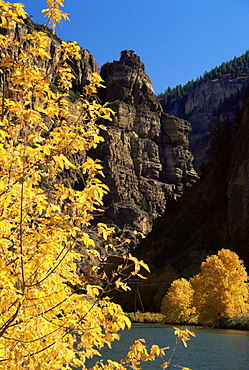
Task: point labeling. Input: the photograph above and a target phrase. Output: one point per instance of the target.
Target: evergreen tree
(238, 67)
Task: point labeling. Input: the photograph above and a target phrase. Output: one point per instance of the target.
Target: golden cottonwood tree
(45, 322)
(220, 289)
(177, 304)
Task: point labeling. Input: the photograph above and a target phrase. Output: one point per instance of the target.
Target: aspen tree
(50, 317)
(43, 322)
(220, 288)
(177, 305)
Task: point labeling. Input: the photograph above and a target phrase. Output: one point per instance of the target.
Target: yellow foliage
(220, 288)
(183, 335)
(177, 304)
(11, 14)
(50, 316)
(218, 292)
(54, 13)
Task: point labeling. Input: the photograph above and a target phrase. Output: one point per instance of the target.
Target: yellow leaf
(3, 134)
(144, 265)
(127, 321)
(2, 186)
(46, 150)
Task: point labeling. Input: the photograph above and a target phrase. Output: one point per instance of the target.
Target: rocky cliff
(148, 164)
(146, 153)
(213, 214)
(208, 102)
(83, 68)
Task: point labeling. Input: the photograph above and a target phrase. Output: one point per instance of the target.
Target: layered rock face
(83, 68)
(201, 109)
(145, 156)
(146, 153)
(212, 215)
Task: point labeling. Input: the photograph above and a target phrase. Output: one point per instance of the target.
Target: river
(211, 349)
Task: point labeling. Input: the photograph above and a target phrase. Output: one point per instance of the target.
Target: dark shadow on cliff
(213, 214)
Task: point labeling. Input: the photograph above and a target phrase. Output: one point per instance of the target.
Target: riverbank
(146, 318)
(241, 323)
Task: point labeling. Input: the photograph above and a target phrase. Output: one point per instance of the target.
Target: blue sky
(177, 40)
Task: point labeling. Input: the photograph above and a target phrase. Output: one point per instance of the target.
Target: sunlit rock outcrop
(146, 153)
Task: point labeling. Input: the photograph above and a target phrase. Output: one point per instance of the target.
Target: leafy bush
(147, 317)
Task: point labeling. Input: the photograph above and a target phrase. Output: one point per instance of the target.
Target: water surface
(212, 349)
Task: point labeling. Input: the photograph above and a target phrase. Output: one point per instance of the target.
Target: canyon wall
(202, 107)
(212, 215)
(146, 153)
